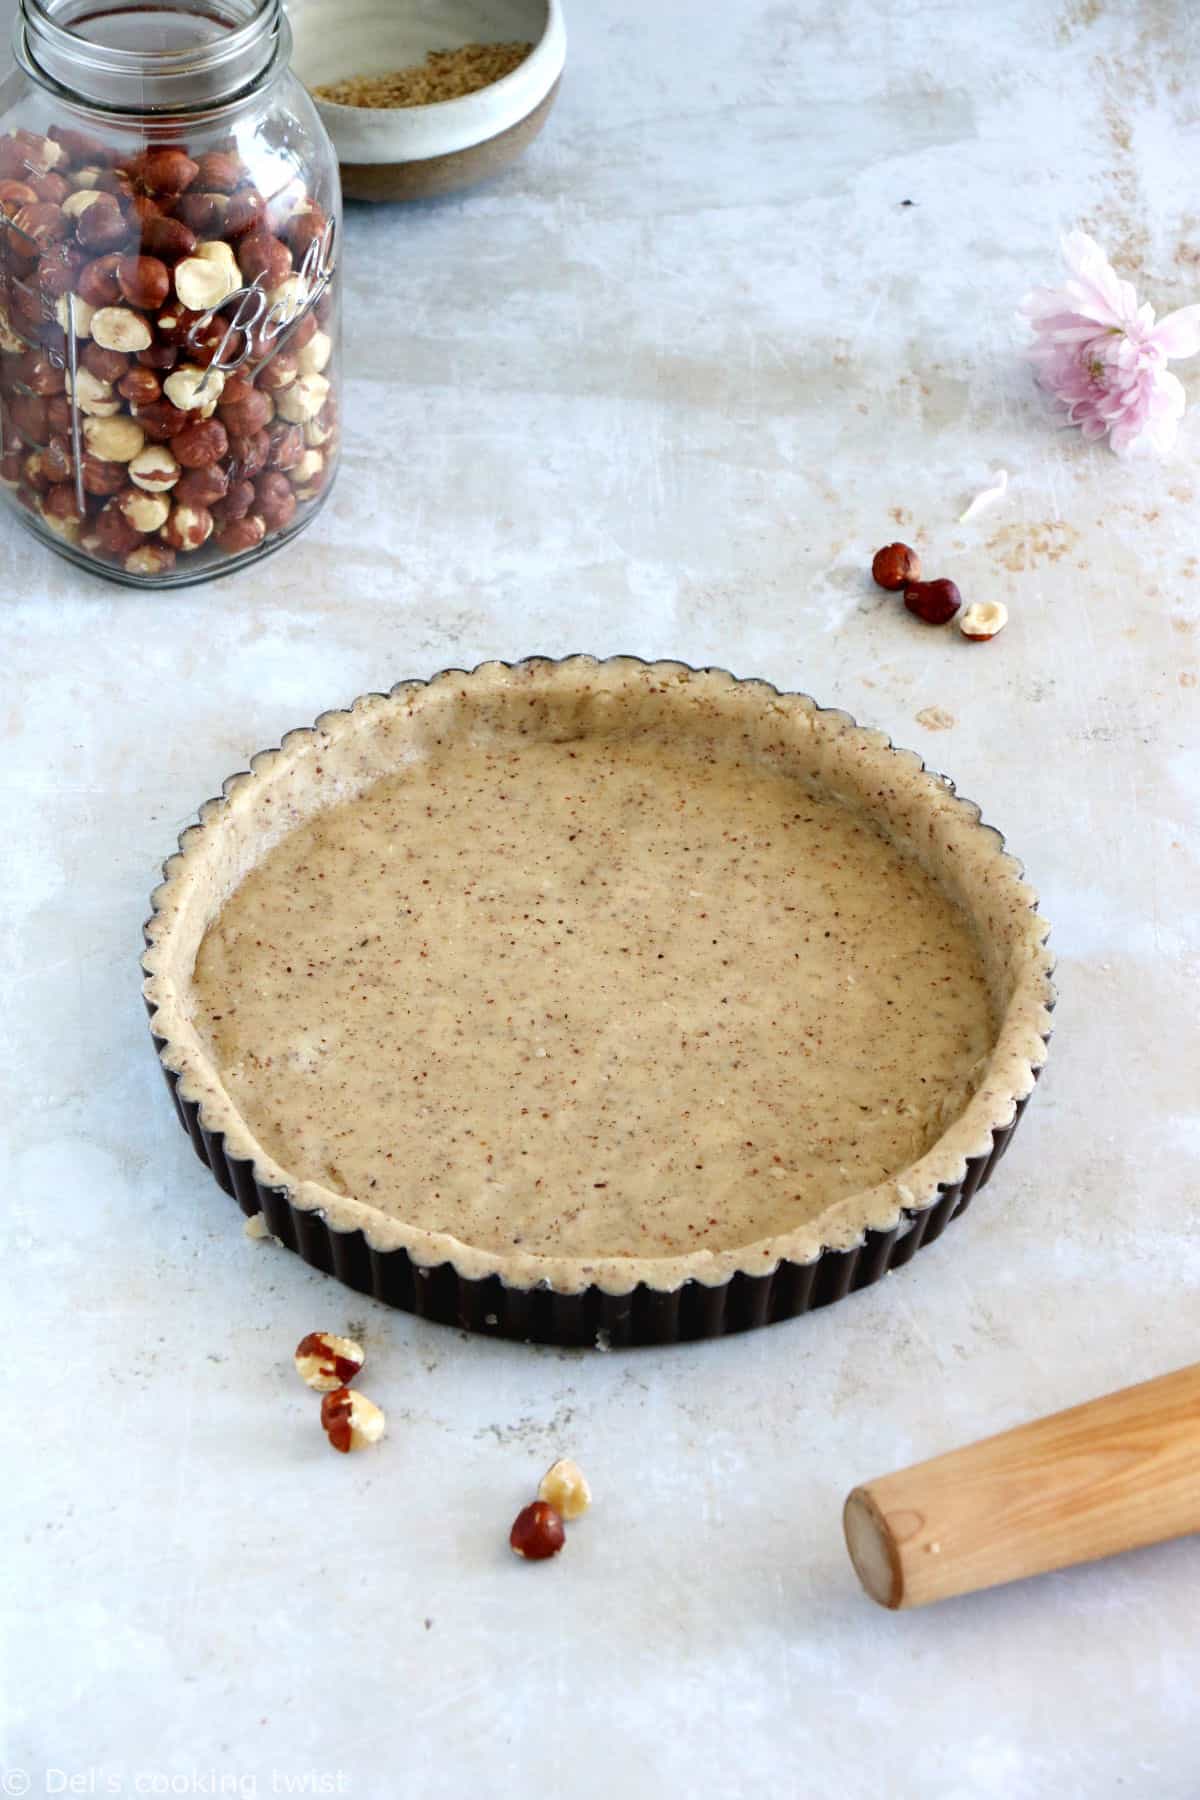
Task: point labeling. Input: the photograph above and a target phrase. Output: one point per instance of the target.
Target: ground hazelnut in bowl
(421, 100)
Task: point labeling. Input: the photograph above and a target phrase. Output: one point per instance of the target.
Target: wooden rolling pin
(1088, 1482)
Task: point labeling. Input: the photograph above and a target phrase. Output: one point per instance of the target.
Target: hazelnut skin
(896, 567)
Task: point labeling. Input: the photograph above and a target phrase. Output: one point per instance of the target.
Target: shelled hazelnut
(202, 374)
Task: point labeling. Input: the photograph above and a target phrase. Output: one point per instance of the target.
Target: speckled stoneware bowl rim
(405, 134)
(607, 1299)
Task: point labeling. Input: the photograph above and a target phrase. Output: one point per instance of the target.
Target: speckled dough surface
(681, 1079)
(593, 998)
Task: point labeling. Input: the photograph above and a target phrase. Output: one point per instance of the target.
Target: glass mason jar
(169, 332)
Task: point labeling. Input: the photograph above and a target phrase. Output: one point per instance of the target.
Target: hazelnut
(245, 533)
(105, 365)
(895, 567)
(117, 328)
(288, 300)
(103, 226)
(325, 1361)
(145, 512)
(205, 213)
(38, 154)
(155, 470)
(60, 416)
(40, 375)
(98, 282)
(10, 468)
(309, 471)
(14, 195)
(305, 230)
(159, 356)
(74, 315)
(43, 223)
(304, 399)
(216, 250)
(93, 396)
(160, 420)
(140, 386)
(198, 445)
(175, 322)
(315, 355)
(169, 239)
(564, 1487)
(36, 473)
(150, 559)
(100, 477)
(243, 408)
(86, 179)
(274, 500)
(27, 414)
(58, 267)
(77, 203)
(145, 282)
(244, 213)
(203, 282)
(188, 527)
(350, 1420)
(218, 172)
(52, 188)
(60, 509)
(77, 146)
(287, 203)
(54, 463)
(142, 209)
(193, 389)
(201, 487)
(238, 500)
(286, 446)
(933, 601)
(249, 455)
(279, 371)
(10, 343)
(164, 172)
(112, 532)
(983, 620)
(114, 182)
(113, 440)
(261, 255)
(537, 1532)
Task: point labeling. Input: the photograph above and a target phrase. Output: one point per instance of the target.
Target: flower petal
(1178, 335)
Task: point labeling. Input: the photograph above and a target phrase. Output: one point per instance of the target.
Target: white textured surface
(664, 389)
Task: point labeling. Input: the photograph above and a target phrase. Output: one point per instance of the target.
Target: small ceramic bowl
(414, 152)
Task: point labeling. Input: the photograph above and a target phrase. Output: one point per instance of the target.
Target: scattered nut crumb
(936, 718)
(537, 1532)
(350, 1420)
(983, 620)
(256, 1226)
(564, 1487)
(324, 1361)
(444, 75)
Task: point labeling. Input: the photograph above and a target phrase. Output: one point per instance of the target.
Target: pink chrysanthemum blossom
(1102, 356)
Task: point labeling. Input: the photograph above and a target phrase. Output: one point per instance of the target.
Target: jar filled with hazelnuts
(170, 218)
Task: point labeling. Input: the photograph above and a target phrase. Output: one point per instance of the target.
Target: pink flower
(1102, 356)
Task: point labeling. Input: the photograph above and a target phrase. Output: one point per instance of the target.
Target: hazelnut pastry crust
(596, 978)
